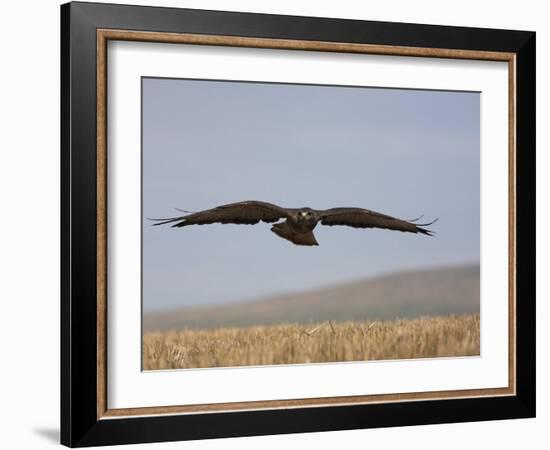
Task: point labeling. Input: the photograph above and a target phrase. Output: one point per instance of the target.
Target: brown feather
(286, 232)
(249, 212)
(364, 218)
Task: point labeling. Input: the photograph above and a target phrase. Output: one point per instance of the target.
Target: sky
(400, 152)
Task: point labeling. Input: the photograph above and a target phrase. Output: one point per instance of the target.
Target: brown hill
(443, 291)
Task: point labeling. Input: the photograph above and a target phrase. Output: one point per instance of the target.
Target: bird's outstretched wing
(364, 218)
(249, 212)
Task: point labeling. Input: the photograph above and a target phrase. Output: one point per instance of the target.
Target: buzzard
(297, 224)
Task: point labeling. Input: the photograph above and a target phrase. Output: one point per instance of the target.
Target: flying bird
(297, 224)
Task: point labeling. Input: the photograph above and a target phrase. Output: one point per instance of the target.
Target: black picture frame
(80, 425)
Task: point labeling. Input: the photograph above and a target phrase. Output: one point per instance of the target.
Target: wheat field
(312, 343)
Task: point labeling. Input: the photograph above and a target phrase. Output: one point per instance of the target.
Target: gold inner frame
(104, 35)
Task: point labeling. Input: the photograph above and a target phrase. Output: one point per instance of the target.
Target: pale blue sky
(399, 152)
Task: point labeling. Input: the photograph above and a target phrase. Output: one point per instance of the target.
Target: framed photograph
(277, 224)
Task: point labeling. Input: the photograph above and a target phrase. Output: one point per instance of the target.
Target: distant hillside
(453, 290)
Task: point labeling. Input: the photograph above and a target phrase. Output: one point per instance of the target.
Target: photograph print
(300, 224)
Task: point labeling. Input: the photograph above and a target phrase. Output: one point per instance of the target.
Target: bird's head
(305, 214)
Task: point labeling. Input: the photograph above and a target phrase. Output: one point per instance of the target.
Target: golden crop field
(323, 342)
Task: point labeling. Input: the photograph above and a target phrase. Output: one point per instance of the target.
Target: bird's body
(298, 228)
(297, 224)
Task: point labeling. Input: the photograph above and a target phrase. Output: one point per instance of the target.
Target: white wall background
(29, 225)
